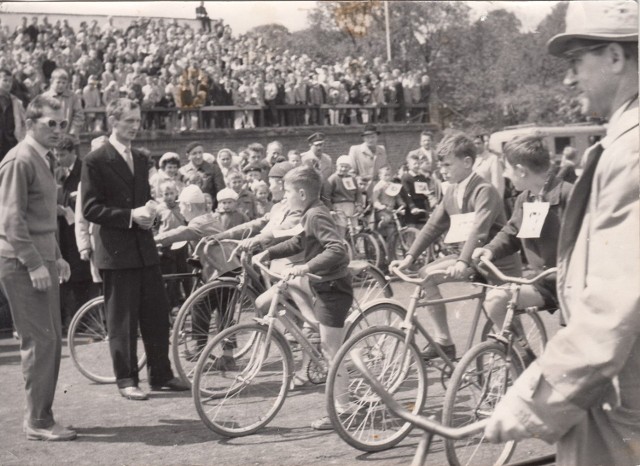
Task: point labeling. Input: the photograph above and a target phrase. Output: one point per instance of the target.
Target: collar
(622, 120)
(463, 184)
(39, 148)
(117, 145)
(550, 192)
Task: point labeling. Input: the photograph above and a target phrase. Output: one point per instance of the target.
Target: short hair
(170, 183)
(458, 144)
(117, 107)
(6, 72)
(275, 143)
(412, 156)
(528, 151)
(307, 178)
(167, 159)
(256, 147)
(426, 132)
(233, 174)
(194, 178)
(36, 107)
(66, 143)
(59, 73)
(192, 145)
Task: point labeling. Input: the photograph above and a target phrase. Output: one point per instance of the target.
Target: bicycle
(88, 338)
(401, 239)
(484, 373)
(395, 345)
(238, 398)
(427, 424)
(199, 318)
(363, 245)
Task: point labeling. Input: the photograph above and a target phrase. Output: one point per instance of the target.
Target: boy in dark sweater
(543, 195)
(325, 255)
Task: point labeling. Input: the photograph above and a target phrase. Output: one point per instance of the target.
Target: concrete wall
(398, 139)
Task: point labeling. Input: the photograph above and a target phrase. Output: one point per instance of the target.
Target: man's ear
(29, 123)
(303, 194)
(616, 54)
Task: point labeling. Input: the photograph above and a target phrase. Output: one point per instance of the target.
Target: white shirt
(121, 148)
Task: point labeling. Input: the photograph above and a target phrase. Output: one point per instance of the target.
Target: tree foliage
(486, 73)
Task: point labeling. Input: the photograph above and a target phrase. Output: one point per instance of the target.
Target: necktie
(577, 205)
(128, 158)
(52, 161)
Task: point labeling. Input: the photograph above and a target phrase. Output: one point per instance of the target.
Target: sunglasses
(574, 54)
(53, 124)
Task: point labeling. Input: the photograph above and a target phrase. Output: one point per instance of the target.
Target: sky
(243, 15)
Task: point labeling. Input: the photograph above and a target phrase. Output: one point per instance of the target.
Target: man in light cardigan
(30, 263)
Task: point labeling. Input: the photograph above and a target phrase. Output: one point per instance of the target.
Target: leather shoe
(173, 385)
(133, 393)
(55, 433)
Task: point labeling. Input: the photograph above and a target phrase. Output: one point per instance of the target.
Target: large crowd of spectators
(164, 64)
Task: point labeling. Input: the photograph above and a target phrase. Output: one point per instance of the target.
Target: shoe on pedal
(431, 353)
(55, 433)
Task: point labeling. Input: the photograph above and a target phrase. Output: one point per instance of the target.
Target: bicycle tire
(478, 383)
(387, 314)
(367, 424)
(365, 247)
(198, 321)
(530, 326)
(384, 249)
(240, 401)
(369, 284)
(88, 341)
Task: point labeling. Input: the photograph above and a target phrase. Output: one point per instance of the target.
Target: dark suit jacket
(109, 192)
(80, 270)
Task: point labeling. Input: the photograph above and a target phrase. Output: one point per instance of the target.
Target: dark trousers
(73, 295)
(136, 297)
(36, 316)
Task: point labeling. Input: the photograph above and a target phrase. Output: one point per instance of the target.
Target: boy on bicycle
(470, 213)
(327, 301)
(533, 227)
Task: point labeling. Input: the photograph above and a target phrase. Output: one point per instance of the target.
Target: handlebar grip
(278, 276)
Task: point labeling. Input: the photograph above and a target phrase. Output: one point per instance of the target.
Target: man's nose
(570, 78)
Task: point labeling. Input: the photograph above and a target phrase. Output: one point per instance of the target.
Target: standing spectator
(488, 165)
(71, 103)
(12, 116)
(169, 170)
(368, 158)
(80, 287)
(201, 14)
(30, 262)
(426, 152)
(566, 169)
(91, 98)
(316, 97)
(316, 144)
(211, 173)
(582, 393)
(126, 254)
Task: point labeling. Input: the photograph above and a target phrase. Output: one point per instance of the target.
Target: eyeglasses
(53, 124)
(573, 55)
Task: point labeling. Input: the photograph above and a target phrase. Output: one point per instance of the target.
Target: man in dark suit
(30, 263)
(80, 287)
(115, 196)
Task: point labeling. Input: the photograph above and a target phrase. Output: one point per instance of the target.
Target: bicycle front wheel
(236, 395)
(377, 315)
(356, 411)
(529, 332)
(366, 248)
(478, 383)
(88, 341)
(211, 308)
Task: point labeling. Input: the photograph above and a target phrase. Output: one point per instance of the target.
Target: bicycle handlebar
(426, 424)
(516, 280)
(417, 281)
(277, 276)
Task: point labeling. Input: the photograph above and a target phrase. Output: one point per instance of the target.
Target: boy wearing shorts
(325, 254)
(534, 226)
(470, 213)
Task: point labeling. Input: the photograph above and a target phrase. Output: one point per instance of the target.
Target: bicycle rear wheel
(358, 414)
(381, 314)
(369, 283)
(213, 307)
(88, 341)
(478, 383)
(237, 396)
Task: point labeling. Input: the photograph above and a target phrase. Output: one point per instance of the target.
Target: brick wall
(398, 139)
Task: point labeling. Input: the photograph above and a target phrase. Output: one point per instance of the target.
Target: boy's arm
(487, 206)
(183, 233)
(335, 251)
(287, 248)
(438, 223)
(245, 230)
(506, 241)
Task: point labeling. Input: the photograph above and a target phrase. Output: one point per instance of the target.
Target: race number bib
(393, 189)
(349, 183)
(533, 217)
(461, 227)
(421, 188)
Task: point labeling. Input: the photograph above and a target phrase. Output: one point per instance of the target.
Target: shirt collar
(462, 186)
(40, 149)
(118, 145)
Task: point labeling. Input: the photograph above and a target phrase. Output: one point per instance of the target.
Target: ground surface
(167, 430)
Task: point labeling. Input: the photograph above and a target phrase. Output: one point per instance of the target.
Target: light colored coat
(19, 117)
(365, 162)
(584, 391)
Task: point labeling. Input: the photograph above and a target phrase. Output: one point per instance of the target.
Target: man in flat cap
(583, 392)
(369, 157)
(316, 145)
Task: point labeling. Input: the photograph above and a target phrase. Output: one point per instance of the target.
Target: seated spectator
(261, 192)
